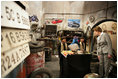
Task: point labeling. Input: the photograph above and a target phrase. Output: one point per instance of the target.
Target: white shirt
(99, 36)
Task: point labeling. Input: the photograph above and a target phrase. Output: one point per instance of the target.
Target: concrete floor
(53, 65)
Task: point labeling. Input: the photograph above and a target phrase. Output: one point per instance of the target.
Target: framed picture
(74, 23)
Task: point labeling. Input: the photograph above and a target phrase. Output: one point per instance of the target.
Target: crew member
(82, 44)
(104, 51)
(62, 46)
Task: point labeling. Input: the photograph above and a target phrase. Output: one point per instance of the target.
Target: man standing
(62, 46)
(82, 44)
(104, 51)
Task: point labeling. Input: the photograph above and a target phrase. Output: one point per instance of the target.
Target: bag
(73, 47)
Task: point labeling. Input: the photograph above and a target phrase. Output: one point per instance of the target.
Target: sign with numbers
(13, 57)
(11, 38)
(13, 16)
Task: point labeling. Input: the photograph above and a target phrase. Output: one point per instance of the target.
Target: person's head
(97, 31)
(63, 39)
(82, 39)
(75, 37)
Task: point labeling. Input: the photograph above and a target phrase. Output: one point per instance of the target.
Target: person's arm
(109, 44)
(67, 47)
(98, 50)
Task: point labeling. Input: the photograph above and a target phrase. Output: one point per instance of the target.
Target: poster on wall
(53, 20)
(74, 23)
